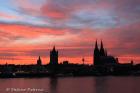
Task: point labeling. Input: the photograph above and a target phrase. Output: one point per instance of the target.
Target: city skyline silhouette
(103, 65)
(80, 61)
(31, 28)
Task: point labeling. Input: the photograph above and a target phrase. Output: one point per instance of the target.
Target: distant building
(54, 56)
(65, 62)
(39, 62)
(101, 57)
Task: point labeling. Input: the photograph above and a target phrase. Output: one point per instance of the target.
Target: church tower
(54, 56)
(96, 54)
(39, 62)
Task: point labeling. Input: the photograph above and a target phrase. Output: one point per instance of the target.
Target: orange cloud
(72, 45)
(29, 31)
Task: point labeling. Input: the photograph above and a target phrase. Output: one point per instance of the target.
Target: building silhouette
(104, 65)
(54, 56)
(39, 62)
(101, 57)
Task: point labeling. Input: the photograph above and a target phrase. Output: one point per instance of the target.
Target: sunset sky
(29, 28)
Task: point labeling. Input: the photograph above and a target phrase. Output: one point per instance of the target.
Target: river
(106, 84)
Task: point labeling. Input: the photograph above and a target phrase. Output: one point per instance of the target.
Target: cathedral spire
(54, 47)
(102, 46)
(102, 51)
(96, 54)
(39, 58)
(96, 45)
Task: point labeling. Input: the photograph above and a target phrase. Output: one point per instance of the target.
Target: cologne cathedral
(101, 58)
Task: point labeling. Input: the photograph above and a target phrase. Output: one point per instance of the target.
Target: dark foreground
(107, 84)
(68, 70)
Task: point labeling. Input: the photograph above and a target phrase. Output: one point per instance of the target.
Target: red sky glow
(30, 28)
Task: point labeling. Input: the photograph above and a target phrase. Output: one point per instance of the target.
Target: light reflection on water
(73, 85)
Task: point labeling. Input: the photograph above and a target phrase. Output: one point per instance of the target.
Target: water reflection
(75, 84)
(53, 85)
(100, 85)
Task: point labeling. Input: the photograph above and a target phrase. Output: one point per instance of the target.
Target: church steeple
(53, 48)
(96, 54)
(102, 51)
(39, 62)
(96, 50)
(102, 46)
(96, 45)
(39, 58)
